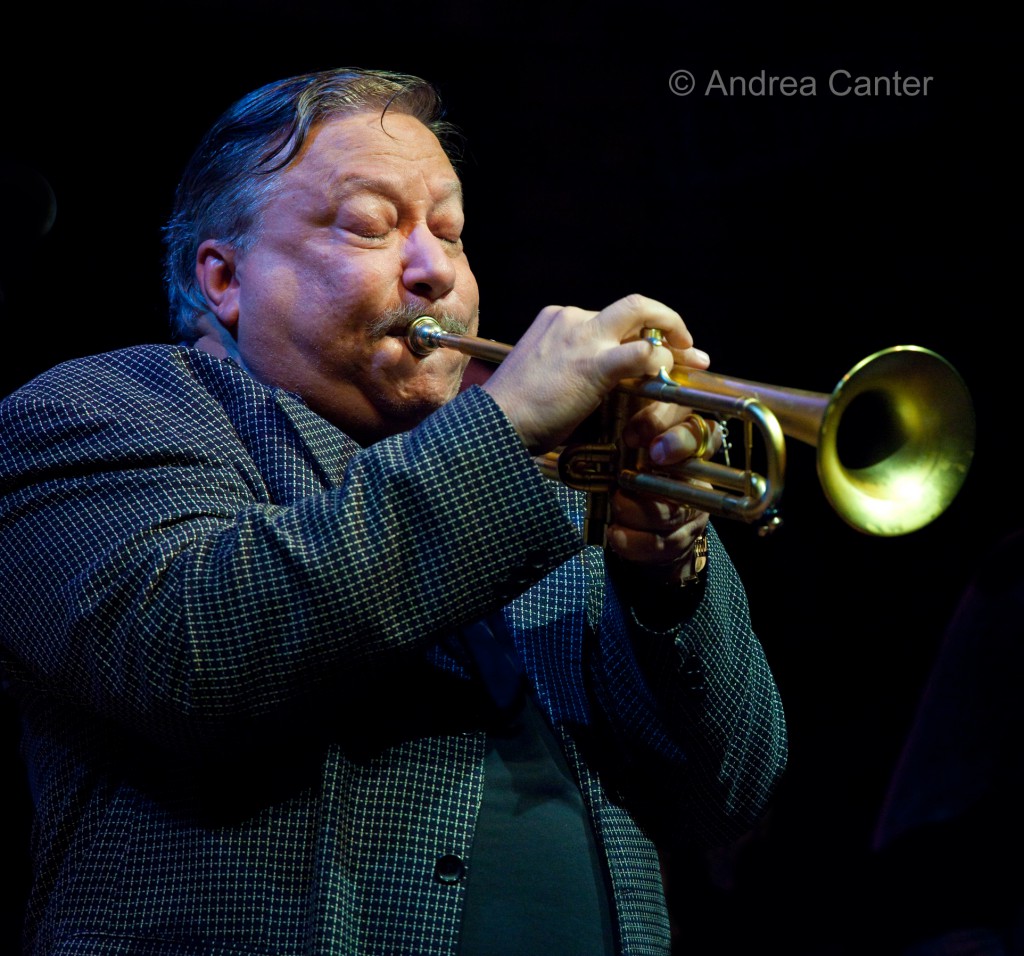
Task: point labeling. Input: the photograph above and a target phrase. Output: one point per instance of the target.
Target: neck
(216, 340)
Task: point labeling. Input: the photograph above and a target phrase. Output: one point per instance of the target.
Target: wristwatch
(700, 560)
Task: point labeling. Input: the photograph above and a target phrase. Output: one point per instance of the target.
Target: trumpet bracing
(894, 439)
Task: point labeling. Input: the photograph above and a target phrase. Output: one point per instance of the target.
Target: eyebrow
(354, 184)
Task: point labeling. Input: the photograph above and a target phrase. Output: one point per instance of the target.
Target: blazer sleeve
(149, 573)
(694, 706)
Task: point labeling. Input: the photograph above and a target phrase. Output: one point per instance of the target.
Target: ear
(215, 273)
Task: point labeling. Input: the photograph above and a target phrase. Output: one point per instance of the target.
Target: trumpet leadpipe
(425, 335)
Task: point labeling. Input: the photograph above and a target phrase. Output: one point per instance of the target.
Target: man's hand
(656, 532)
(569, 359)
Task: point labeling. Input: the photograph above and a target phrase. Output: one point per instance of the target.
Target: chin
(434, 385)
(415, 409)
(400, 414)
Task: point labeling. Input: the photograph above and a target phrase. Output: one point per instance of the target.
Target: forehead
(368, 151)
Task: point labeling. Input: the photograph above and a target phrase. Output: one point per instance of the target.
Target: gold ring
(703, 433)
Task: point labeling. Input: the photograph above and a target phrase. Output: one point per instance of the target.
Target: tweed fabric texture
(247, 732)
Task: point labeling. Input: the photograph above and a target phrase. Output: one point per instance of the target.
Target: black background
(796, 235)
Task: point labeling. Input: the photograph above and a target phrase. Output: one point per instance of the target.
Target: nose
(428, 269)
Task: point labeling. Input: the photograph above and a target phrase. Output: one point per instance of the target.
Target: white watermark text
(840, 82)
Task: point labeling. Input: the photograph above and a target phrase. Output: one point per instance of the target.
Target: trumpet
(894, 439)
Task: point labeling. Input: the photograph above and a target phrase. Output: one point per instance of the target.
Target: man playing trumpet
(311, 657)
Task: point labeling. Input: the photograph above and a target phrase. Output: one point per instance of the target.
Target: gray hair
(233, 171)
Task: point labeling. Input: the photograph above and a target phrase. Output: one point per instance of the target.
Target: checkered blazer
(247, 725)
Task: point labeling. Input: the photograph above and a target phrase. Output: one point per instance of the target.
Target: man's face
(366, 220)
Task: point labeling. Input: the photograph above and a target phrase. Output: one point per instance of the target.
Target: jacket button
(694, 675)
(449, 869)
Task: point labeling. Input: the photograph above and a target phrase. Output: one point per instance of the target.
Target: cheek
(333, 305)
(268, 314)
(358, 270)
(264, 290)
(391, 353)
(469, 291)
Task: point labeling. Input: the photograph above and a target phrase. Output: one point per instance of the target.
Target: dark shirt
(535, 881)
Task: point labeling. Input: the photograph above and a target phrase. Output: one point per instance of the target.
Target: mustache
(396, 321)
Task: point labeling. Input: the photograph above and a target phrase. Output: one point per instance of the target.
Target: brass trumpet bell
(894, 439)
